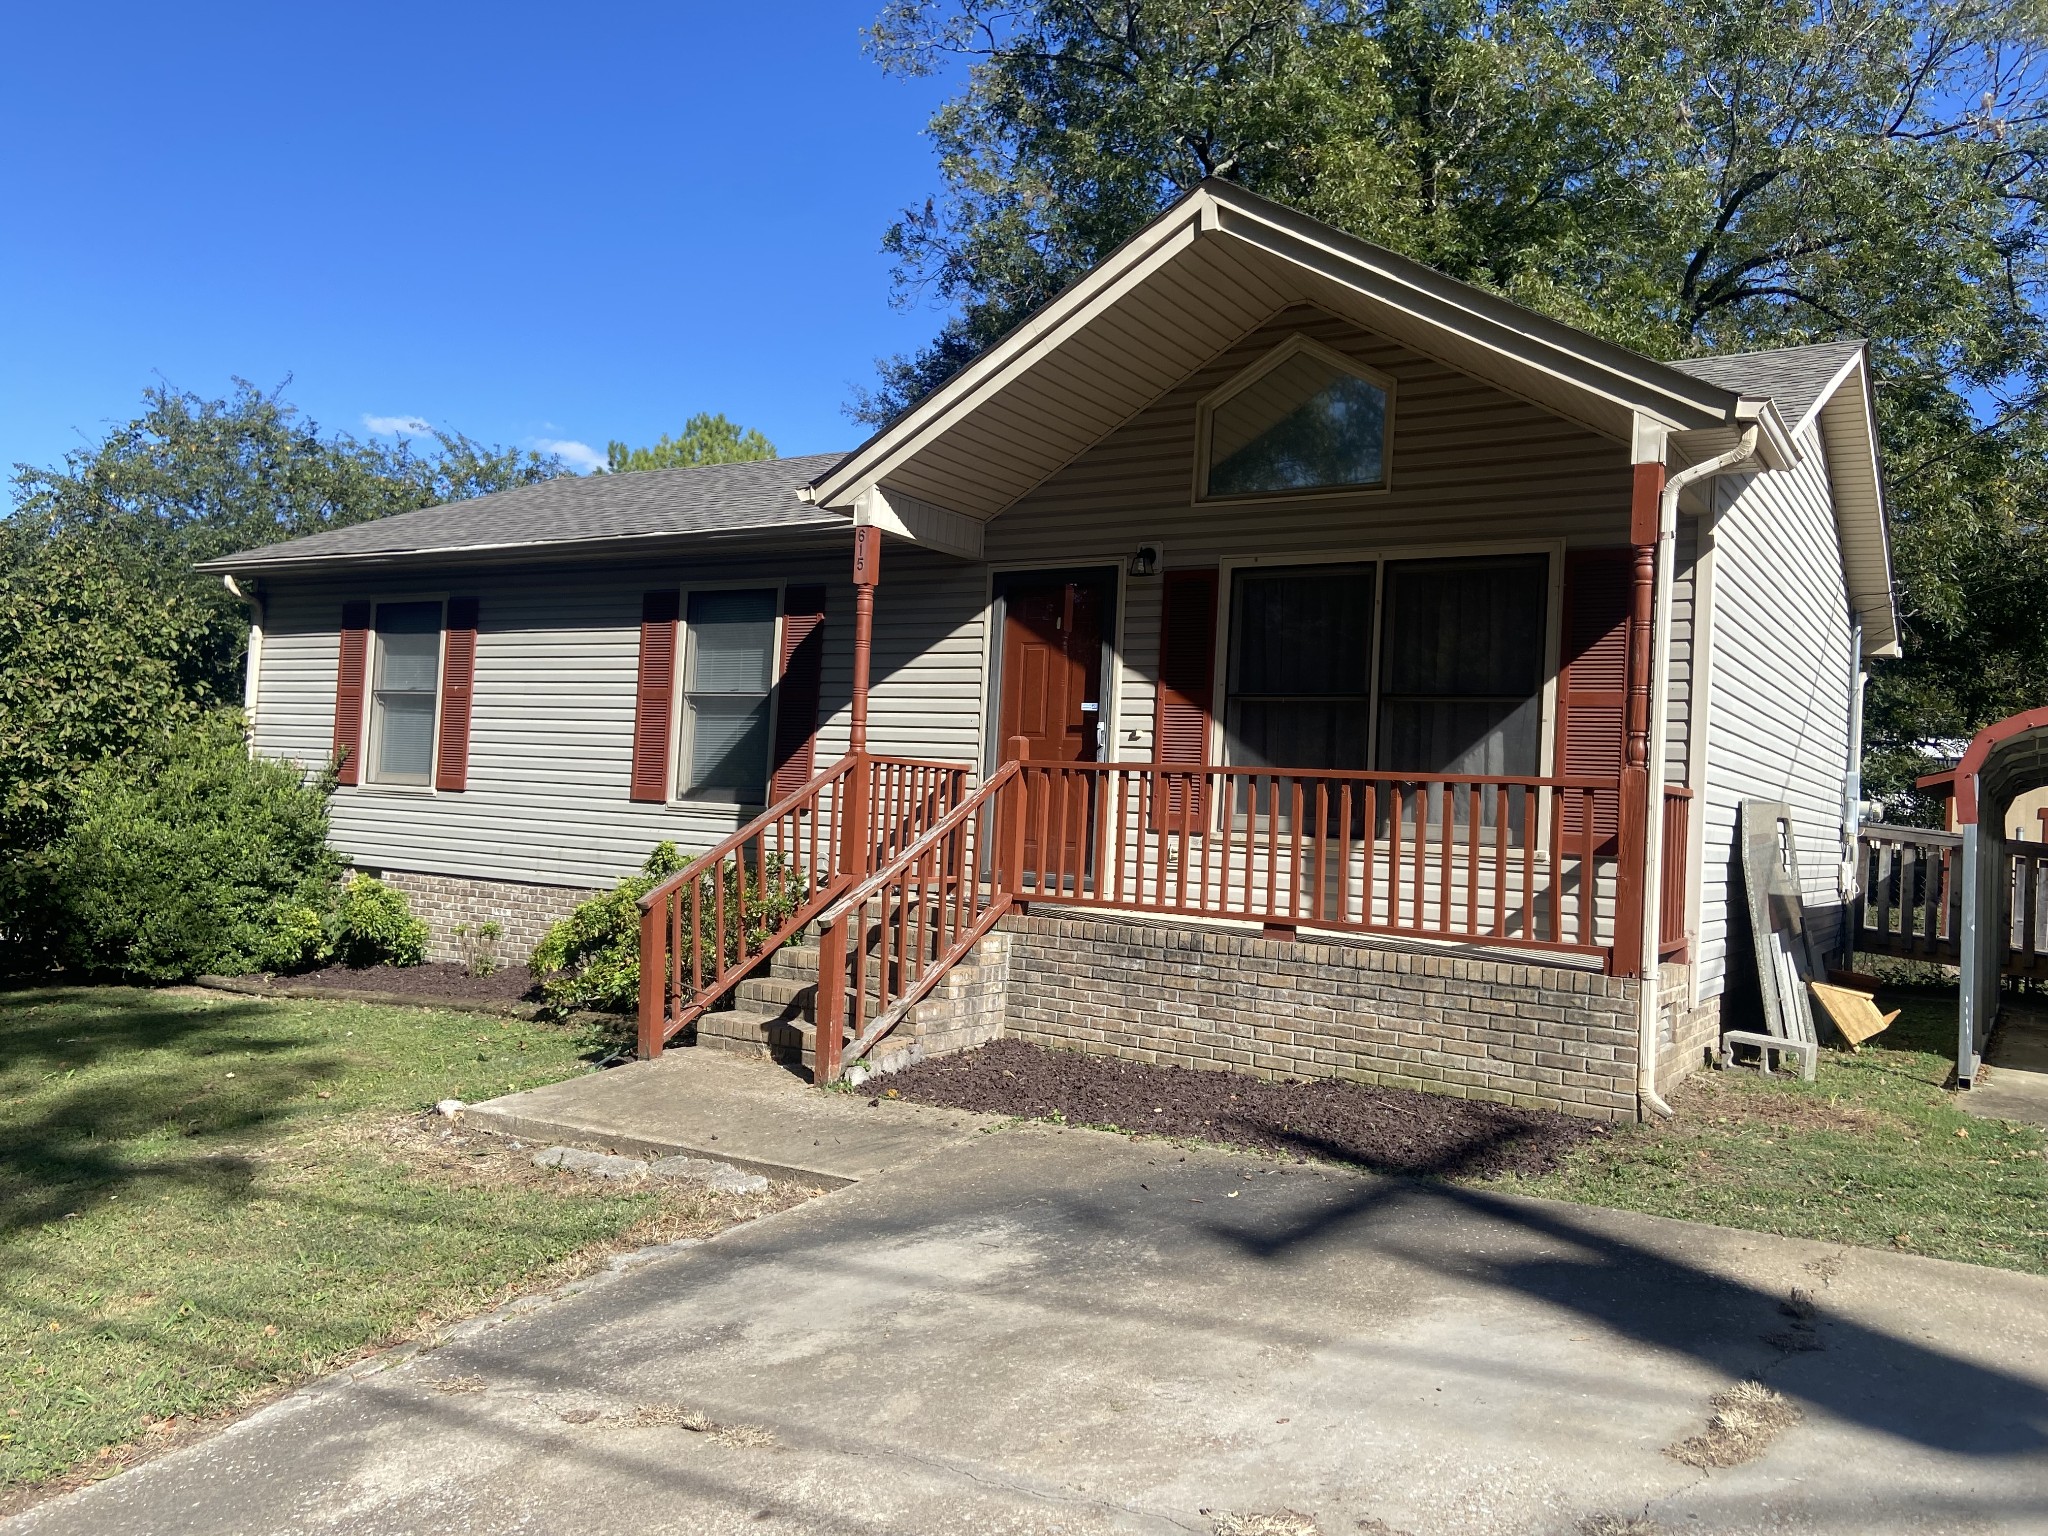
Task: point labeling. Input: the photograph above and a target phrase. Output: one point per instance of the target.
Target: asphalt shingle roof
(711, 498)
(1792, 376)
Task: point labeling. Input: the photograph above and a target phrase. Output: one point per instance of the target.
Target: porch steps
(774, 1014)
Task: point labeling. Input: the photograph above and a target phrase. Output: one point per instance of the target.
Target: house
(1385, 662)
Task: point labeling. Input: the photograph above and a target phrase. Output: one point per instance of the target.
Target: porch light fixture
(1145, 562)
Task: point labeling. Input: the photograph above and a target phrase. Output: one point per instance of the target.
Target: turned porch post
(857, 842)
(1631, 900)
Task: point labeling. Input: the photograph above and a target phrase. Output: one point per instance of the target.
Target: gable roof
(1208, 270)
(599, 511)
(1219, 263)
(1795, 378)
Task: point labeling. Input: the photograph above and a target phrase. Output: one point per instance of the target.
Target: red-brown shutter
(654, 703)
(348, 691)
(458, 679)
(796, 702)
(1187, 678)
(1592, 706)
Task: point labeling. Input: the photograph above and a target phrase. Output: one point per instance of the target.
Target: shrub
(591, 958)
(185, 854)
(374, 925)
(479, 944)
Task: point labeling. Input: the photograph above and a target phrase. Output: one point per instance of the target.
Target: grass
(204, 1199)
(1874, 1152)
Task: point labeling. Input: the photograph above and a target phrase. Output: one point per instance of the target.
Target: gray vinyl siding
(1778, 694)
(1467, 464)
(557, 654)
(552, 719)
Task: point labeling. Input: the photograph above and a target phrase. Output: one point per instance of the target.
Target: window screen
(1300, 691)
(1461, 669)
(404, 693)
(1305, 424)
(728, 672)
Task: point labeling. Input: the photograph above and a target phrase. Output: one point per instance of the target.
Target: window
(1462, 673)
(405, 691)
(1300, 690)
(728, 676)
(1304, 419)
(1442, 674)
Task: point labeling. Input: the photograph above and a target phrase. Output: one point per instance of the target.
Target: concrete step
(745, 1031)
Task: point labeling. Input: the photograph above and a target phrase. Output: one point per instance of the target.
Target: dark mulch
(1389, 1130)
(437, 981)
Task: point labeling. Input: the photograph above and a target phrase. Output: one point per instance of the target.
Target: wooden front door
(1051, 695)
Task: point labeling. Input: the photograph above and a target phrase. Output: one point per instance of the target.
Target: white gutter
(253, 670)
(1660, 720)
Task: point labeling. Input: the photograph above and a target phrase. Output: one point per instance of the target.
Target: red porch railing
(1672, 937)
(704, 929)
(1519, 862)
(908, 924)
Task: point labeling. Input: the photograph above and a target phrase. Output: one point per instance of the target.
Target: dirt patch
(1747, 1418)
(1280, 1522)
(1389, 1130)
(435, 981)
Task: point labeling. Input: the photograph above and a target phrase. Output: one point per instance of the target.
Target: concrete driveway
(1040, 1332)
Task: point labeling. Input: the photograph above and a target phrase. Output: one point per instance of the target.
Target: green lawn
(1874, 1152)
(203, 1198)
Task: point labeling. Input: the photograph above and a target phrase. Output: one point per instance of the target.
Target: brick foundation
(1548, 1037)
(1687, 1032)
(445, 902)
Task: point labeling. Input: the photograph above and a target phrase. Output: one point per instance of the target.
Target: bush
(374, 925)
(183, 855)
(591, 958)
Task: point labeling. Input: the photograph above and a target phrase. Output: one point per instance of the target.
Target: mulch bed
(1389, 1130)
(437, 981)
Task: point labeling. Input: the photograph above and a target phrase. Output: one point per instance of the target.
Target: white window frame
(1378, 557)
(1292, 346)
(373, 664)
(679, 719)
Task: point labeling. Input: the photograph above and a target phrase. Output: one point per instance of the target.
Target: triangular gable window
(1301, 420)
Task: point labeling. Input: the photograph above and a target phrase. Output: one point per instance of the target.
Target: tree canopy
(1679, 176)
(705, 439)
(108, 638)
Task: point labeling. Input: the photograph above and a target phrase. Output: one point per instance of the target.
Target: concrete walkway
(2014, 1084)
(1038, 1332)
(749, 1113)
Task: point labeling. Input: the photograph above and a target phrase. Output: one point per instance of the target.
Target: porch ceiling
(1213, 267)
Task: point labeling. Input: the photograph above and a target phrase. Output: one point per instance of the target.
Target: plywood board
(1854, 1014)
(1786, 959)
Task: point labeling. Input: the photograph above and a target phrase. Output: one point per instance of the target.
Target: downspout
(253, 671)
(1660, 719)
(1852, 780)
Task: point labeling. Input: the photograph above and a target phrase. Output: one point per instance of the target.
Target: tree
(190, 479)
(705, 439)
(1679, 176)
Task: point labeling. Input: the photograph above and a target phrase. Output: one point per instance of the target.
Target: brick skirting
(523, 911)
(1550, 1037)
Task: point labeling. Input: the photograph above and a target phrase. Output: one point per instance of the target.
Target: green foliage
(94, 659)
(191, 480)
(374, 925)
(705, 439)
(591, 959)
(186, 855)
(479, 944)
(1678, 178)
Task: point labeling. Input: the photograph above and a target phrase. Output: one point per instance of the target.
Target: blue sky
(534, 224)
